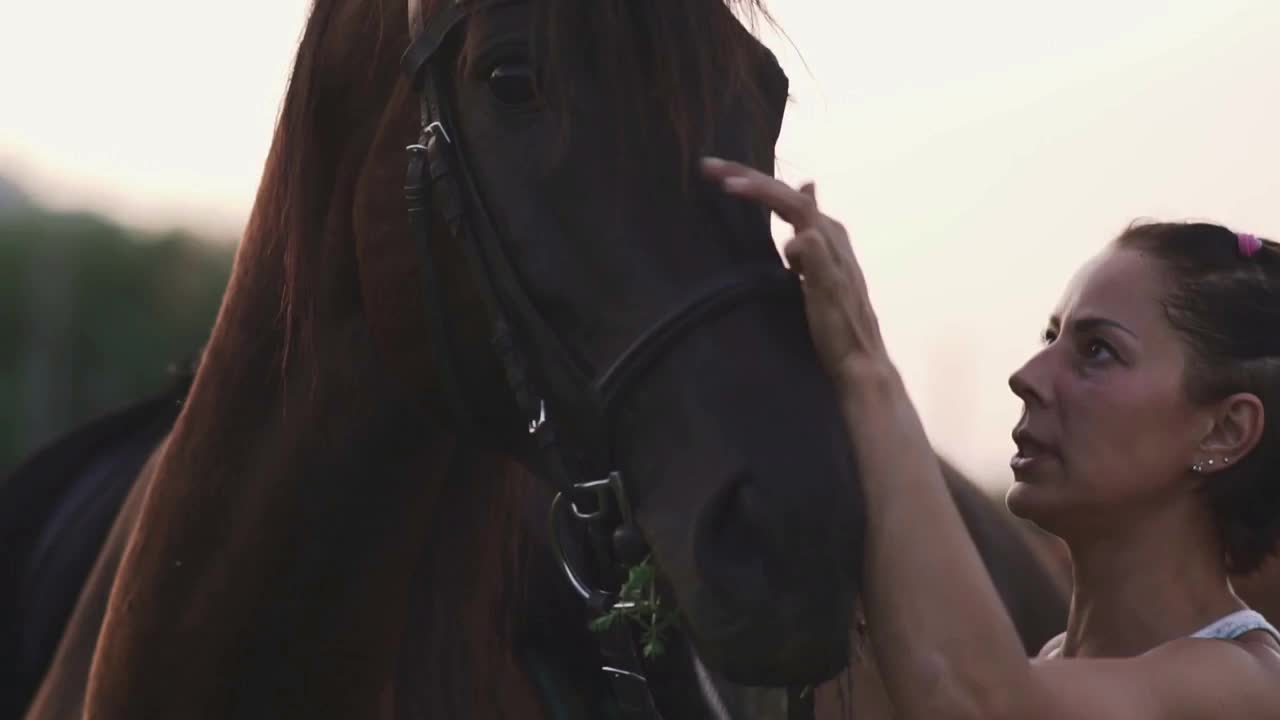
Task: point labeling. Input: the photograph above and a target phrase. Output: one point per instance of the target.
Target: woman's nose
(1029, 381)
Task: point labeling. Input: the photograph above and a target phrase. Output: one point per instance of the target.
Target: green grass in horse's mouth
(640, 602)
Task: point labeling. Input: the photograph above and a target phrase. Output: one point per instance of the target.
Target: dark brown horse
(317, 538)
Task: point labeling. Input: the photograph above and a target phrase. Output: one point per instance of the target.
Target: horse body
(56, 510)
(61, 691)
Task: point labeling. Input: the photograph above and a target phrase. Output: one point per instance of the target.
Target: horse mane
(469, 595)
(301, 216)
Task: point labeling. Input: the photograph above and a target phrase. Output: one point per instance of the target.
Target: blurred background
(977, 151)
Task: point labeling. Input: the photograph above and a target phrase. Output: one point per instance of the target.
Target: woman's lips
(1030, 450)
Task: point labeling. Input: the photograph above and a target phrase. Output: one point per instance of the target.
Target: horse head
(566, 280)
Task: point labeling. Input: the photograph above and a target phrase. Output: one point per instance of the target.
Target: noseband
(545, 383)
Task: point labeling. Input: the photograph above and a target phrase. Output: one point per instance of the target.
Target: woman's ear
(1237, 427)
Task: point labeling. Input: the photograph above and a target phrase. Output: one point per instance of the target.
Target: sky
(978, 152)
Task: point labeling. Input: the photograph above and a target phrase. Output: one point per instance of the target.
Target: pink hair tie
(1248, 244)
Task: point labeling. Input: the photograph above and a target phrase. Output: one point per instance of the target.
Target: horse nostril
(732, 545)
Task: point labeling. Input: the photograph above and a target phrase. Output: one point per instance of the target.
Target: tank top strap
(1236, 624)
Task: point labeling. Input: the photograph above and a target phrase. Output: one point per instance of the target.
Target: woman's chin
(1028, 501)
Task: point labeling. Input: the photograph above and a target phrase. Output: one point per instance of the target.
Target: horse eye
(513, 84)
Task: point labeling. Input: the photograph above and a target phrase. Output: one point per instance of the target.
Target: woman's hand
(841, 319)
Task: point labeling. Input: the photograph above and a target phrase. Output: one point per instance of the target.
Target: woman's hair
(1224, 299)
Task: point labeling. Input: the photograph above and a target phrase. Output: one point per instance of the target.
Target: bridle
(545, 384)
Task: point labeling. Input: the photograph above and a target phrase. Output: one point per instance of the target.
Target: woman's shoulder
(1244, 626)
(1254, 653)
(1184, 678)
(1247, 630)
(1264, 641)
(1260, 643)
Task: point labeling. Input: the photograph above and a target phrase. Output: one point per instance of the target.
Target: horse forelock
(665, 65)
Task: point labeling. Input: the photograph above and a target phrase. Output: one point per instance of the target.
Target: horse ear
(771, 95)
(775, 87)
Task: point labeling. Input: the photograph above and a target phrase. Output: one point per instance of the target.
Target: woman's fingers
(840, 317)
(800, 250)
(818, 238)
(798, 209)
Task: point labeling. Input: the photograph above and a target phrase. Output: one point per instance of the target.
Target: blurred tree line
(93, 316)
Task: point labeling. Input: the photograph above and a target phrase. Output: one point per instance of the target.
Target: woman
(1144, 444)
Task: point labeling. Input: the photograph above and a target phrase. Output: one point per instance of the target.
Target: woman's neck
(1159, 578)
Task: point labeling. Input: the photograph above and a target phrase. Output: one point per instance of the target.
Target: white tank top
(1236, 624)
(1229, 627)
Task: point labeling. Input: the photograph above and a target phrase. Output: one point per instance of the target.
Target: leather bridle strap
(417, 191)
(745, 284)
(441, 191)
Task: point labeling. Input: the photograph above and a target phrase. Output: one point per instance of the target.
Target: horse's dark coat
(55, 510)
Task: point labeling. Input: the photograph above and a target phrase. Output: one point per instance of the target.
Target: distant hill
(12, 197)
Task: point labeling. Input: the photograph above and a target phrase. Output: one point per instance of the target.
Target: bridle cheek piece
(439, 180)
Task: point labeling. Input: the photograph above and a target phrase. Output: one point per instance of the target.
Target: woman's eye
(1098, 350)
(513, 84)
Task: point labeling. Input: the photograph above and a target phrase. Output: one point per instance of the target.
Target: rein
(545, 385)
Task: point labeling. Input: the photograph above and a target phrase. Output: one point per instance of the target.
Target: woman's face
(1107, 427)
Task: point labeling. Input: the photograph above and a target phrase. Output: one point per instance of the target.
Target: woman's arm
(939, 629)
(945, 645)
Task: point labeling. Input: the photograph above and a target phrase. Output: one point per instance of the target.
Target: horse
(351, 513)
(417, 457)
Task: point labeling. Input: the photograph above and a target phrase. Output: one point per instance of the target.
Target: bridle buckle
(602, 490)
(435, 128)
